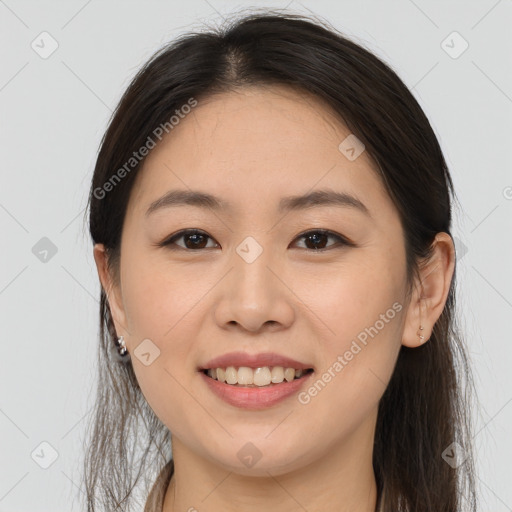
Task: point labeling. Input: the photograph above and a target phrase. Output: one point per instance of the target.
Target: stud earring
(121, 347)
(420, 335)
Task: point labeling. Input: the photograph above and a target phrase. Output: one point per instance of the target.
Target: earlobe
(111, 291)
(430, 294)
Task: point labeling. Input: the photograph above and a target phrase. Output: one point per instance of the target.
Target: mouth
(261, 377)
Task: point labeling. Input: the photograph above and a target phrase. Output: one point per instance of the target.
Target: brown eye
(193, 238)
(316, 240)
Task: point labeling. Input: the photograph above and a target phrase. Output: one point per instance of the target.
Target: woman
(289, 371)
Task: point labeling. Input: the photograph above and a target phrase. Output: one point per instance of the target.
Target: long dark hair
(427, 404)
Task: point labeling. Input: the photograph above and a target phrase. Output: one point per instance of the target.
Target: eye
(316, 239)
(194, 239)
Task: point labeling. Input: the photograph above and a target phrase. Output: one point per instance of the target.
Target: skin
(252, 147)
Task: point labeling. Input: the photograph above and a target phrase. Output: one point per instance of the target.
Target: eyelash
(168, 242)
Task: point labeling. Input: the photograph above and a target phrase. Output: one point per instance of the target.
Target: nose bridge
(251, 261)
(253, 295)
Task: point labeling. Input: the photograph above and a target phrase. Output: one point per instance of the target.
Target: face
(322, 283)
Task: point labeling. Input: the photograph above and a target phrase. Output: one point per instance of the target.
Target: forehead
(253, 144)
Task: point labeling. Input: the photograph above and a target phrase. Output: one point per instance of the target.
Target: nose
(255, 296)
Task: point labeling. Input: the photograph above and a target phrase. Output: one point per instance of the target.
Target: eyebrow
(313, 199)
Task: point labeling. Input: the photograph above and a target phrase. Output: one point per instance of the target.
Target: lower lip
(255, 398)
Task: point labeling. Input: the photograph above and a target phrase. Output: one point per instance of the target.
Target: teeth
(231, 375)
(289, 374)
(245, 376)
(277, 374)
(262, 376)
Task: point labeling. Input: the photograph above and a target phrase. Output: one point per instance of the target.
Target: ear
(430, 293)
(112, 291)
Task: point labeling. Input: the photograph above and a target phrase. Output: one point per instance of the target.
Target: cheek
(358, 312)
(161, 306)
(159, 310)
(156, 301)
(350, 298)
(358, 354)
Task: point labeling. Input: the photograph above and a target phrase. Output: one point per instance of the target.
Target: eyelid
(343, 239)
(195, 231)
(175, 236)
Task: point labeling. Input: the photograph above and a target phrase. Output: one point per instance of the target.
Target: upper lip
(239, 359)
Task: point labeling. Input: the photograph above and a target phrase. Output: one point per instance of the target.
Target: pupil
(315, 238)
(194, 236)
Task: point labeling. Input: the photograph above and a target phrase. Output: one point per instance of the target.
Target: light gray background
(53, 114)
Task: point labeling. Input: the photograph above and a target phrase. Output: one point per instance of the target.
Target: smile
(255, 396)
(244, 376)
